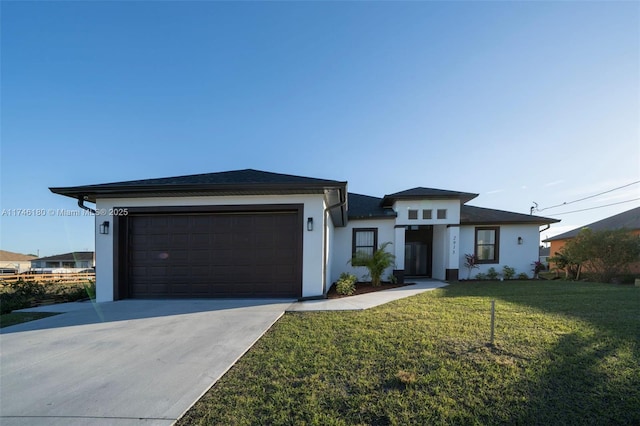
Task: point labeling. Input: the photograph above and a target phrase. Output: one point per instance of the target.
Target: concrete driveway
(124, 363)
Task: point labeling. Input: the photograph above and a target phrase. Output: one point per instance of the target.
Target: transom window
(487, 247)
(413, 214)
(427, 214)
(442, 213)
(365, 240)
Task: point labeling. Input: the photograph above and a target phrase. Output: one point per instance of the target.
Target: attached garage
(249, 253)
(244, 233)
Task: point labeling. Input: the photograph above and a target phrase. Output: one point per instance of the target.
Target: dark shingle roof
(247, 181)
(472, 215)
(427, 193)
(367, 207)
(76, 255)
(629, 220)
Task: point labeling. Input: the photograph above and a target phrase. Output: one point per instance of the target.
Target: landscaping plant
(375, 263)
(508, 272)
(346, 284)
(471, 263)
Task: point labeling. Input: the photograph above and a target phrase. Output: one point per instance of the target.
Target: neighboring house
(250, 233)
(14, 262)
(73, 260)
(628, 220)
(543, 255)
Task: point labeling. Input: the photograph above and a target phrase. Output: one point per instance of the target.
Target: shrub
(471, 263)
(537, 268)
(481, 276)
(508, 272)
(375, 263)
(492, 274)
(523, 276)
(23, 294)
(346, 284)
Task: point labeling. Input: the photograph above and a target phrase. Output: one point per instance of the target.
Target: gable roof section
(75, 255)
(367, 207)
(629, 220)
(237, 182)
(427, 193)
(8, 255)
(472, 215)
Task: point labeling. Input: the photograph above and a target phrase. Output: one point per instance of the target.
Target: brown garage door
(252, 254)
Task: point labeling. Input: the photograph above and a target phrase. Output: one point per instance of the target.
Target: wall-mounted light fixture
(104, 227)
(520, 240)
(309, 224)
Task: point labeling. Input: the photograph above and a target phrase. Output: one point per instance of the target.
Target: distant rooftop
(629, 220)
(73, 256)
(8, 255)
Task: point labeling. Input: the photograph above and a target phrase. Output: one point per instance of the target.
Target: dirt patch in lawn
(363, 288)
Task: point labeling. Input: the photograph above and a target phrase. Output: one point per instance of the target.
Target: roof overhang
(334, 192)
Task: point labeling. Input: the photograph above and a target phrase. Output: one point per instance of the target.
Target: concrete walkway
(138, 362)
(368, 300)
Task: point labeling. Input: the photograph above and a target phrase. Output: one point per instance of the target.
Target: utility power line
(535, 207)
(597, 207)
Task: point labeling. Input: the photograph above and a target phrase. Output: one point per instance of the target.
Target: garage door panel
(252, 254)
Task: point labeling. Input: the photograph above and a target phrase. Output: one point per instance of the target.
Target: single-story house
(14, 263)
(629, 220)
(250, 233)
(73, 260)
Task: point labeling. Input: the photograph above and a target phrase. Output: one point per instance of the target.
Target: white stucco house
(250, 233)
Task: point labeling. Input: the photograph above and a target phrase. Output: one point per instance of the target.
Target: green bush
(23, 294)
(492, 274)
(346, 284)
(508, 272)
(481, 276)
(375, 263)
(523, 276)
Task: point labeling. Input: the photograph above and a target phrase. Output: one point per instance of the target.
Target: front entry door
(416, 255)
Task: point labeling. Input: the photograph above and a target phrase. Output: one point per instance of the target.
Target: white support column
(399, 247)
(453, 257)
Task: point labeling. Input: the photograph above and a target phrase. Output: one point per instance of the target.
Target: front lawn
(565, 353)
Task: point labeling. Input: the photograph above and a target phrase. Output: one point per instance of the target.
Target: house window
(413, 214)
(365, 240)
(427, 214)
(442, 213)
(487, 247)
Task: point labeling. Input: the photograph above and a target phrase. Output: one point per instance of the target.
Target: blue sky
(516, 101)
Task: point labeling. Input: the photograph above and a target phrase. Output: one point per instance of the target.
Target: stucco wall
(343, 245)
(312, 240)
(452, 206)
(518, 256)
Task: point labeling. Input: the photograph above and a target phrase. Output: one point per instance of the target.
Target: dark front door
(415, 258)
(418, 251)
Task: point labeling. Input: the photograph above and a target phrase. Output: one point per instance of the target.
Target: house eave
(92, 193)
(388, 201)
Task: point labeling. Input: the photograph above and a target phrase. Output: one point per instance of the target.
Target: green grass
(14, 318)
(565, 353)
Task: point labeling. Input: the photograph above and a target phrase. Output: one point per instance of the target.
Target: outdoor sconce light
(520, 241)
(309, 224)
(104, 227)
